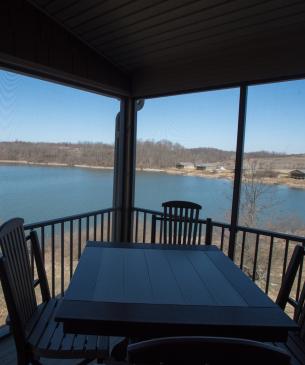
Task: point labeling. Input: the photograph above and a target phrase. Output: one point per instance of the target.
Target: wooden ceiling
(168, 46)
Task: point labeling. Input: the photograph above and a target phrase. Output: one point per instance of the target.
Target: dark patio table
(146, 290)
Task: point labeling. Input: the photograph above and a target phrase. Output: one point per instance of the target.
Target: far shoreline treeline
(150, 154)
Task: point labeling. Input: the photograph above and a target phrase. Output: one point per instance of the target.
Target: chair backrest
(288, 280)
(205, 350)
(179, 224)
(16, 274)
(284, 295)
(14, 249)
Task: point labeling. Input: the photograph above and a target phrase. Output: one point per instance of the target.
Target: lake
(38, 193)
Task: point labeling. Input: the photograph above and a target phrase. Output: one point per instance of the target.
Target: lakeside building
(200, 166)
(185, 165)
(297, 174)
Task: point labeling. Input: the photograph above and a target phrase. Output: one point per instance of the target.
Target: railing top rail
(66, 219)
(150, 211)
(285, 236)
(264, 232)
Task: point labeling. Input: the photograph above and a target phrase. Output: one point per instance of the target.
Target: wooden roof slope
(158, 47)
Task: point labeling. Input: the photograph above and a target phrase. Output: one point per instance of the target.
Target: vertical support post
(238, 168)
(124, 170)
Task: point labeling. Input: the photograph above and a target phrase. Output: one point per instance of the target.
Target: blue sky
(35, 110)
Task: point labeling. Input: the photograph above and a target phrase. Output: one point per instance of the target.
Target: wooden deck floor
(8, 355)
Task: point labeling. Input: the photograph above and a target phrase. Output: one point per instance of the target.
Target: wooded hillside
(150, 154)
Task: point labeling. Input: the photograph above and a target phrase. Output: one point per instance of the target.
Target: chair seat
(47, 338)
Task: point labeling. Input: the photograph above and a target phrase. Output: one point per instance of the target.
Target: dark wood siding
(31, 42)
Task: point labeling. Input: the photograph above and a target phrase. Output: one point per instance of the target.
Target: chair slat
(36, 335)
(91, 343)
(25, 271)
(102, 343)
(195, 226)
(6, 251)
(56, 338)
(190, 227)
(185, 217)
(79, 342)
(67, 343)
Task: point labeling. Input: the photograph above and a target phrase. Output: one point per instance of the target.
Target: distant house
(200, 166)
(297, 174)
(185, 165)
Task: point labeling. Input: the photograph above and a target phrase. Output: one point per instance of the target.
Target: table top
(164, 290)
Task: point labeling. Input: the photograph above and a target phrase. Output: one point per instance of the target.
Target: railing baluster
(53, 259)
(108, 227)
(222, 238)
(32, 262)
(94, 222)
(102, 227)
(62, 256)
(137, 226)
(269, 265)
(144, 227)
(42, 244)
(242, 253)
(87, 228)
(71, 249)
(285, 258)
(79, 237)
(255, 257)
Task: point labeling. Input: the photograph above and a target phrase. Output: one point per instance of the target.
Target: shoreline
(226, 175)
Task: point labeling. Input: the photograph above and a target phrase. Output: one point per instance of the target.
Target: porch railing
(263, 255)
(62, 241)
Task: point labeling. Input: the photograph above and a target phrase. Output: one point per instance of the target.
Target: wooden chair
(205, 350)
(296, 340)
(179, 223)
(34, 329)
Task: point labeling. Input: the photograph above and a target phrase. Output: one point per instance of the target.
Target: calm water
(39, 193)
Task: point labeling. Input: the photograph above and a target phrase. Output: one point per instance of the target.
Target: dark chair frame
(178, 224)
(287, 283)
(210, 350)
(33, 325)
(284, 295)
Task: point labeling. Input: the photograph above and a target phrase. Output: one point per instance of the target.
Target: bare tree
(257, 199)
(257, 196)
